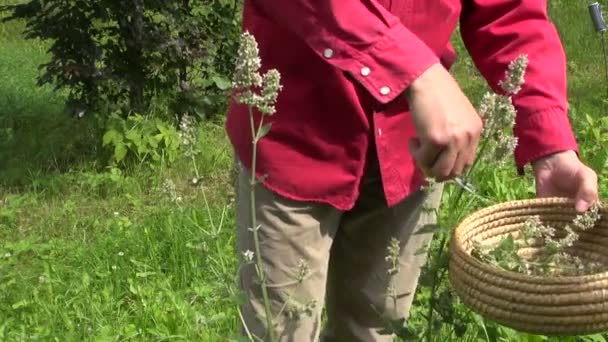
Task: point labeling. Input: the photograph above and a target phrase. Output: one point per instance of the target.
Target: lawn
(141, 252)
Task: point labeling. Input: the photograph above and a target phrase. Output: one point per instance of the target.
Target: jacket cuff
(541, 134)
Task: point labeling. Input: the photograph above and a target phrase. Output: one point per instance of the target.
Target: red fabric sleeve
(359, 37)
(496, 32)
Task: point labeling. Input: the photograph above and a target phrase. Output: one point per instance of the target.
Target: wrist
(538, 162)
(424, 81)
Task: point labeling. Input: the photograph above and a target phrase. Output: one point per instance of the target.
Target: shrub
(125, 55)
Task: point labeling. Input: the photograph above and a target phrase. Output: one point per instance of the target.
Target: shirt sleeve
(495, 32)
(360, 38)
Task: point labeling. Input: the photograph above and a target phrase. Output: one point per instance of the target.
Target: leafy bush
(142, 137)
(125, 55)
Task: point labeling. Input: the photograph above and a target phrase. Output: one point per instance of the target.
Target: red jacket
(345, 65)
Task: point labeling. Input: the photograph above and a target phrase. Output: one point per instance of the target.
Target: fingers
(443, 168)
(472, 149)
(444, 161)
(587, 192)
(425, 154)
(461, 165)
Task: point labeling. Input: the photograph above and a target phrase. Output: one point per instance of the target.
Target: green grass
(89, 252)
(95, 253)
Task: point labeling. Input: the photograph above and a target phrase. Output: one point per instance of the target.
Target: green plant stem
(245, 325)
(443, 245)
(196, 173)
(394, 295)
(260, 267)
(467, 176)
(429, 328)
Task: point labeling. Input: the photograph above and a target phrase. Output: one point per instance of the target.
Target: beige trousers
(327, 270)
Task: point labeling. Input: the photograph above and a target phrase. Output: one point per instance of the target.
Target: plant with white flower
(187, 130)
(514, 76)
(252, 88)
(248, 256)
(498, 114)
(189, 137)
(392, 258)
(259, 92)
(496, 144)
(552, 257)
(169, 189)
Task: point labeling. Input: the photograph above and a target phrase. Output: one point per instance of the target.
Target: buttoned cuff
(541, 134)
(388, 67)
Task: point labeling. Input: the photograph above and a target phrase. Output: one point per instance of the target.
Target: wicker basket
(565, 305)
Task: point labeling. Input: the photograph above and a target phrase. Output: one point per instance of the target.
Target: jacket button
(385, 90)
(365, 71)
(328, 53)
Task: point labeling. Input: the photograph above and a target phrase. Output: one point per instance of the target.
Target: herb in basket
(541, 249)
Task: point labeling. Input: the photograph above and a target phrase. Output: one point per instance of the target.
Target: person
(367, 103)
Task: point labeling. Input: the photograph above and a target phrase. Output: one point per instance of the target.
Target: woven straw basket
(565, 305)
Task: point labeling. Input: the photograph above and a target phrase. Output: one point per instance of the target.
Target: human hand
(564, 175)
(447, 125)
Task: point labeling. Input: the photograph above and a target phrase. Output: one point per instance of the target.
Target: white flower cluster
(247, 78)
(498, 113)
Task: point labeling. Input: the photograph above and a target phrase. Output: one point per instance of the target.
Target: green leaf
(20, 304)
(144, 274)
(112, 136)
(589, 119)
(120, 152)
(132, 288)
(264, 130)
(86, 280)
(595, 338)
(222, 83)
(137, 118)
(162, 128)
(428, 228)
(153, 140)
(134, 136)
(104, 333)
